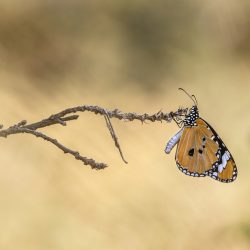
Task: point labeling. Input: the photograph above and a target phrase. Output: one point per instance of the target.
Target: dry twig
(67, 115)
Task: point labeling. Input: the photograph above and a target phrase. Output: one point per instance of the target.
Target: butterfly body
(200, 151)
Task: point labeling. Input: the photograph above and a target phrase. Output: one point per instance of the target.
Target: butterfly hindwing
(195, 152)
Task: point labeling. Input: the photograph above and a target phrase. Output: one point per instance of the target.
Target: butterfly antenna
(195, 100)
(192, 97)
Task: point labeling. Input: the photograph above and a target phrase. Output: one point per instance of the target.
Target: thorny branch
(68, 115)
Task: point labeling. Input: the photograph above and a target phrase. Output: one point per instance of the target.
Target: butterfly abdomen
(173, 141)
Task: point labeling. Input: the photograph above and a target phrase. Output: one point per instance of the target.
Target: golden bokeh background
(131, 55)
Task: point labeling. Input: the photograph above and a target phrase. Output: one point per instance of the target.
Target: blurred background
(131, 55)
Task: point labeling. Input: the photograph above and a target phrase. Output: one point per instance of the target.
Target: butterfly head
(191, 117)
(193, 114)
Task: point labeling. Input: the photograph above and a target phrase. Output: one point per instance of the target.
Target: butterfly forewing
(224, 169)
(228, 174)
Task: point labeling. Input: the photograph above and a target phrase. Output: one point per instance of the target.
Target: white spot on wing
(224, 159)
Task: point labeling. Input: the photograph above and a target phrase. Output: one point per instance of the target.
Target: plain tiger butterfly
(200, 151)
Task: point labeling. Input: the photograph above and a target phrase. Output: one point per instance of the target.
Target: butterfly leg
(179, 123)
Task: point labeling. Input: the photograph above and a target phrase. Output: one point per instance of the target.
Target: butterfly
(200, 151)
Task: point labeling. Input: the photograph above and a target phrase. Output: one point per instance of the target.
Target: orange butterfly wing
(228, 174)
(195, 151)
(224, 170)
(200, 152)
